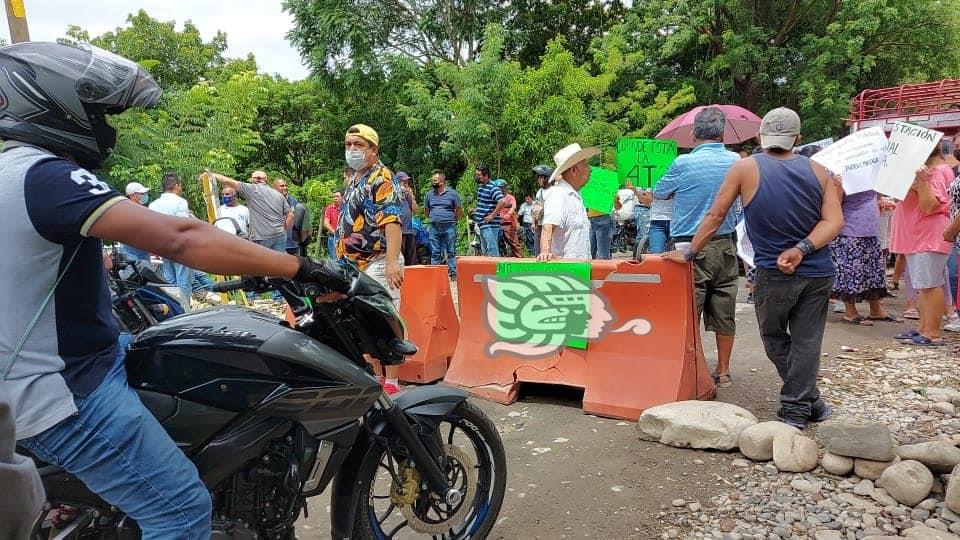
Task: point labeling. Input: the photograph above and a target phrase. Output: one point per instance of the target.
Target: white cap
(136, 187)
(570, 155)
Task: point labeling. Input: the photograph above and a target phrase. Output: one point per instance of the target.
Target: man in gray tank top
(792, 211)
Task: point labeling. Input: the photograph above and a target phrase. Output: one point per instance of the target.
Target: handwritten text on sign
(856, 158)
(907, 150)
(600, 190)
(644, 161)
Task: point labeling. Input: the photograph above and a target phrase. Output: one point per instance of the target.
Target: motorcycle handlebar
(227, 286)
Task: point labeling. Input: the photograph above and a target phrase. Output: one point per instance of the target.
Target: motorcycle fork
(425, 462)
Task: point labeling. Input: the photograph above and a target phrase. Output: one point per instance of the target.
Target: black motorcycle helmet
(56, 97)
(543, 170)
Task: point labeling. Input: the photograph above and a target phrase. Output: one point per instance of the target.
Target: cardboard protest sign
(907, 150)
(644, 161)
(744, 245)
(856, 158)
(538, 301)
(599, 191)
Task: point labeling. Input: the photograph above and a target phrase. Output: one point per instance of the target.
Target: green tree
(813, 55)
(174, 57)
(331, 34)
(208, 126)
(532, 24)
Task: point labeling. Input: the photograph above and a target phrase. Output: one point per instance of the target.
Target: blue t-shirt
(442, 206)
(694, 180)
(488, 195)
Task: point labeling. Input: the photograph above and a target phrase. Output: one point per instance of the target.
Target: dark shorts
(716, 272)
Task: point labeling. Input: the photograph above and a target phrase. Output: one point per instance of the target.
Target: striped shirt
(693, 181)
(488, 195)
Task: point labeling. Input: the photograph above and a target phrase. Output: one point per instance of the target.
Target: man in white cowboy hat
(566, 228)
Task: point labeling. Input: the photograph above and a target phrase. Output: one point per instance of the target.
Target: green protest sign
(644, 161)
(600, 189)
(540, 304)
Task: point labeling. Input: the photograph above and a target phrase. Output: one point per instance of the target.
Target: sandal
(908, 335)
(912, 314)
(886, 318)
(924, 341)
(859, 320)
(722, 380)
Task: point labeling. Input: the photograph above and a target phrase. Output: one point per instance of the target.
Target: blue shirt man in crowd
(692, 181)
(490, 200)
(443, 208)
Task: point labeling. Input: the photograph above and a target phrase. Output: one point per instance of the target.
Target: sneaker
(821, 412)
(797, 423)
(952, 326)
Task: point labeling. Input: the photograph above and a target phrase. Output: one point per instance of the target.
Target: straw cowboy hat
(570, 155)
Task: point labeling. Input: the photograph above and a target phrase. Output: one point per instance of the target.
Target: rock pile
(890, 468)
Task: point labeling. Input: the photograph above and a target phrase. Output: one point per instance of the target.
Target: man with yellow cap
(369, 230)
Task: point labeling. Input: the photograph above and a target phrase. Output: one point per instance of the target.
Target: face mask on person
(356, 159)
(956, 153)
(228, 199)
(144, 199)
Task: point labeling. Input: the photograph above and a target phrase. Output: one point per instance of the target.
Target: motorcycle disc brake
(469, 468)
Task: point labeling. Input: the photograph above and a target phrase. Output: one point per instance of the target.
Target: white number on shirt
(83, 177)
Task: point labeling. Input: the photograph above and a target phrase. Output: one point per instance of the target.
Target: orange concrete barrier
(430, 317)
(645, 352)
(426, 305)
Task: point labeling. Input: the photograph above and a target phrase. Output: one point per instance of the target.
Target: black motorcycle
(273, 415)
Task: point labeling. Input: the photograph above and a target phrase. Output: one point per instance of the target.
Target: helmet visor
(115, 82)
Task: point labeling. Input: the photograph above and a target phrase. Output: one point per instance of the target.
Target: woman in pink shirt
(918, 234)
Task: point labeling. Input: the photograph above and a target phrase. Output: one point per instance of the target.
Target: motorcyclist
(67, 382)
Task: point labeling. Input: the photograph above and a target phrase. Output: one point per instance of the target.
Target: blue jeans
(201, 281)
(601, 235)
(277, 243)
(528, 238)
(122, 453)
(642, 215)
(134, 254)
(443, 240)
(659, 235)
(952, 274)
(332, 246)
(489, 240)
(181, 276)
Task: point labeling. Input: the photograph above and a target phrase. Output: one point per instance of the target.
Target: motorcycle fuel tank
(238, 360)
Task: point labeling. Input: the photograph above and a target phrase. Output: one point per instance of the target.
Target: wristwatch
(805, 246)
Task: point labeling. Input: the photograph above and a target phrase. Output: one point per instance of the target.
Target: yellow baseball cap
(364, 131)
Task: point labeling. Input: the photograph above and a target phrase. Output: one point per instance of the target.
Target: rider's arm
(190, 242)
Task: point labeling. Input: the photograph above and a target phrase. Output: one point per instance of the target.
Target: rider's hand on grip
(327, 274)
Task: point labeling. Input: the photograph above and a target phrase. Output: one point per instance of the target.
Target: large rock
(922, 532)
(756, 442)
(938, 456)
(865, 468)
(858, 440)
(695, 424)
(952, 497)
(794, 453)
(838, 465)
(909, 482)
(942, 394)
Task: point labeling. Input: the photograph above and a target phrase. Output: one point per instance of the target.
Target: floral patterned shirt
(370, 203)
(954, 192)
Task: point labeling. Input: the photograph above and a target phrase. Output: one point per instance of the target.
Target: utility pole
(17, 19)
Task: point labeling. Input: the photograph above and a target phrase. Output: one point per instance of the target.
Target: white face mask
(356, 159)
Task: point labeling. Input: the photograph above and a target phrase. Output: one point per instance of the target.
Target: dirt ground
(599, 480)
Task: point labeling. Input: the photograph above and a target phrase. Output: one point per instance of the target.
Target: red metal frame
(934, 104)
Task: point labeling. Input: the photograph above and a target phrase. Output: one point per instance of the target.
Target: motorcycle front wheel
(477, 467)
